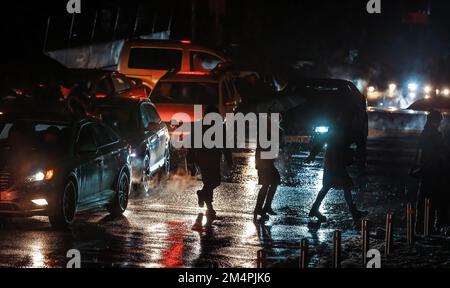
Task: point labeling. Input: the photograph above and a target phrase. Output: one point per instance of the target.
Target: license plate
(297, 139)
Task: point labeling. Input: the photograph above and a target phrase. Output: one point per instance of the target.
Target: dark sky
(282, 31)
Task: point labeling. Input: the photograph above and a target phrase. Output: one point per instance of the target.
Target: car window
(145, 117)
(155, 59)
(34, 135)
(227, 92)
(151, 112)
(186, 93)
(203, 62)
(103, 86)
(121, 119)
(103, 136)
(86, 137)
(120, 83)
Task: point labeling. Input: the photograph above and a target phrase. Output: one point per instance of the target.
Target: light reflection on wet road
(166, 229)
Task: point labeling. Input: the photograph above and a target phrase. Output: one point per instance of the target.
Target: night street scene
(225, 134)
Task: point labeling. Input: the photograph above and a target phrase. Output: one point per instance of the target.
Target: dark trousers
(265, 198)
(324, 191)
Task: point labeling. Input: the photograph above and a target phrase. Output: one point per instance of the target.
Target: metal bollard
(261, 258)
(410, 224)
(336, 262)
(365, 239)
(426, 220)
(388, 237)
(304, 246)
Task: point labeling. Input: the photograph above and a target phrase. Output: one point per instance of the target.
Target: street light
(413, 86)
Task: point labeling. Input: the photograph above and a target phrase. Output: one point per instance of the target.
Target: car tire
(167, 163)
(144, 184)
(120, 201)
(66, 208)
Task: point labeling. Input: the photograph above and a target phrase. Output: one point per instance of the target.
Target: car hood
(23, 163)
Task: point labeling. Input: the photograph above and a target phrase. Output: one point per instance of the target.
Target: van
(149, 60)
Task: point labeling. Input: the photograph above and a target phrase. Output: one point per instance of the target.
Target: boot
(357, 214)
(201, 202)
(315, 213)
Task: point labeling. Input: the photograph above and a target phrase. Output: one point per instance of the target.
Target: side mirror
(153, 126)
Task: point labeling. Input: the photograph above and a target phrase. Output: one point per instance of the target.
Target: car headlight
(321, 129)
(41, 176)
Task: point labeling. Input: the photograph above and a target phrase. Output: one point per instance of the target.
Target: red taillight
(100, 96)
(192, 73)
(185, 41)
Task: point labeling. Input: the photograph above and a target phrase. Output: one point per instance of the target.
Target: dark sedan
(323, 101)
(139, 124)
(57, 166)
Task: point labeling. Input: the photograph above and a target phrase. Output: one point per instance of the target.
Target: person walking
(338, 156)
(209, 162)
(431, 162)
(269, 179)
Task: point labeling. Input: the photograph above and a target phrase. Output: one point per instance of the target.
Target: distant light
(427, 97)
(371, 89)
(427, 89)
(446, 92)
(413, 86)
(40, 202)
(321, 129)
(412, 95)
(39, 176)
(392, 87)
(1, 113)
(438, 91)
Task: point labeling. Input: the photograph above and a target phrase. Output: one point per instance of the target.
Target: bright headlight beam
(40, 202)
(412, 86)
(321, 129)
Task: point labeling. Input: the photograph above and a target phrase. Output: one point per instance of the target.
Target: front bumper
(17, 201)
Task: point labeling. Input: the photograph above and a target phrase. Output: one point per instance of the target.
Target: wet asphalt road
(167, 229)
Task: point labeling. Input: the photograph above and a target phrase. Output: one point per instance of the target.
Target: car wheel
(146, 174)
(167, 163)
(66, 207)
(120, 201)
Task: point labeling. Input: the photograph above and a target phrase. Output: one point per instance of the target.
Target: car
(179, 92)
(438, 103)
(324, 99)
(58, 165)
(149, 60)
(139, 124)
(107, 84)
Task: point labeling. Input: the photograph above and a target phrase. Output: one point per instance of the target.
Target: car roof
(120, 101)
(323, 81)
(170, 44)
(67, 119)
(80, 73)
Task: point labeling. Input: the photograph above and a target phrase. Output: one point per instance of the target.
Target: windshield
(25, 135)
(186, 93)
(120, 119)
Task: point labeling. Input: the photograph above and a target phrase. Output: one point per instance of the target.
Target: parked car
(57, 166)
(107, 84)
(138, 123)
(324, 99)
(150, 60)
(179, 92)
(438, 103)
